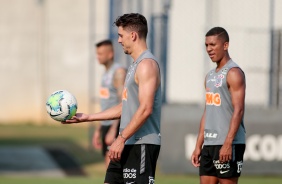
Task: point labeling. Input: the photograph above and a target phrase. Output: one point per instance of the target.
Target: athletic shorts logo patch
(239, 166)
(151, 180)
(223, 167)
(129, 173)
(223, 172)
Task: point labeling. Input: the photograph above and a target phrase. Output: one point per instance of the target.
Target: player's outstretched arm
(109, 114)
(237, 86)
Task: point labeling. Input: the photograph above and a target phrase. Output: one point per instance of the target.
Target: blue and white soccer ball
(61, 105)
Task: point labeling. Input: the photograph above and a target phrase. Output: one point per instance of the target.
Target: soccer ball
(61, 105)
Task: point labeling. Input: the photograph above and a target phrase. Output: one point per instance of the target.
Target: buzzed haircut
(133, 22)
(104, 42)
(220, 32)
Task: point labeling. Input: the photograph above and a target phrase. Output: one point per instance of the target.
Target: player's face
(216, 48)
(104, 54)
(124, 38)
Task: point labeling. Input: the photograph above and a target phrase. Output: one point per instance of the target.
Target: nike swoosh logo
(55, 114)
(222, 172)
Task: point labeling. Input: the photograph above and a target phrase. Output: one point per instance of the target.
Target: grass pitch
(75, 139)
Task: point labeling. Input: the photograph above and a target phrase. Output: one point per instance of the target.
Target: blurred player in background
(135, 152)
(110, 95)
(221, 140)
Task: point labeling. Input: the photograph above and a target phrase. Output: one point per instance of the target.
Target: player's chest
(215, 81)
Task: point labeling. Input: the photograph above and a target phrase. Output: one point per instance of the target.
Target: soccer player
(135, 152)
(110, 95)
(220, 144)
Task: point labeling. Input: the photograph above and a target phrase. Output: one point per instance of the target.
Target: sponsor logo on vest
(210, 134)
(124, 94)
(258, 148)
(213, 99)
(224, 71)
(218, 82)
(129, 173)
(104, 93)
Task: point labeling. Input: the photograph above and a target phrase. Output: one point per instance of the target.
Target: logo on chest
(218, 80)
(104, 93)
(213, 99)
(124, 94)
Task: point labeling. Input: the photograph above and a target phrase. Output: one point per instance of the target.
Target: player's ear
(226, 45)
(111, 55)
(134, 35)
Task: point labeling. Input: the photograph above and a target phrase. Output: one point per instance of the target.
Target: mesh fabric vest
(219, 108)
(149, 133)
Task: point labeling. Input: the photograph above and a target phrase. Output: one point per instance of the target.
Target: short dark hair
(104, 42)
(135, 22)
(219, 31)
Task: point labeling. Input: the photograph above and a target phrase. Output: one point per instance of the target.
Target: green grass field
(168, 179)
(74, 139)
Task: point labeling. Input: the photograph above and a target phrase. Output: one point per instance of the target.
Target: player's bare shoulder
(120, 73)
(148, 65)
(146, 69)
(236, 77)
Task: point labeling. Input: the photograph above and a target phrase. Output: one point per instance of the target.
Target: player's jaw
(212, 56)
(125, 49)
(215, 58)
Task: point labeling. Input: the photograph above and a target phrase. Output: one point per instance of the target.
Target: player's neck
(138, 49)
(222, 62)
(109, 64)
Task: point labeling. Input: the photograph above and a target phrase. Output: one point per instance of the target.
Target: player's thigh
(139, 163)
(208, 179)
(114, 173)
(206, 162)
(228, 180)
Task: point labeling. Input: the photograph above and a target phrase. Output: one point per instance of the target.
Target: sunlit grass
(75, 139)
